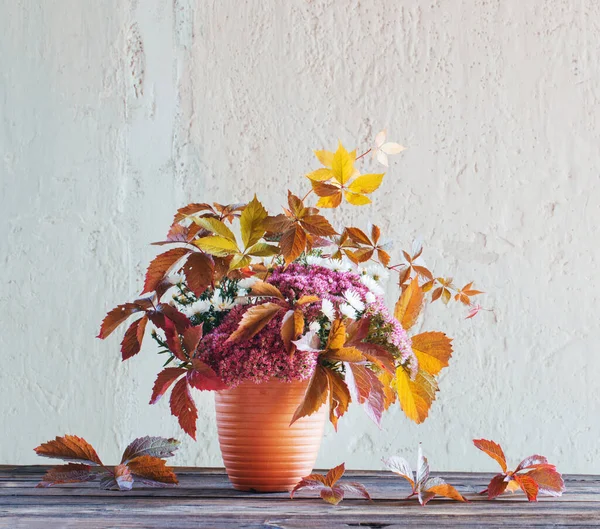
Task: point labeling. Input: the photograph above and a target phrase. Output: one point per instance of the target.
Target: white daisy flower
(219, 303)
(328, 309)
(314, 260)
(372, 285)
(348, 311)
(314, 327)
(353, 299)
(378, 272)
(198, 307)
(247, 282)
(370, 297)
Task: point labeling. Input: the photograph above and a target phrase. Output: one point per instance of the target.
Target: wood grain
(205, 499)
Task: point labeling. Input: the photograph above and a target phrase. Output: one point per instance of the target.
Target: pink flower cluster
(256, 360)
(264, 356)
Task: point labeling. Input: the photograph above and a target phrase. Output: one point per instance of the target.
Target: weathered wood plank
(205, 499)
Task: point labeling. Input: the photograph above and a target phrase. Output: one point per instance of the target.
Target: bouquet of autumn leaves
(245, 296)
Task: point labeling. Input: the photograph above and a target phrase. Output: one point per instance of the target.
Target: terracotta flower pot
(260, 450)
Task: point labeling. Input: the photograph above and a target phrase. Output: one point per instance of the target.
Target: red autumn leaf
(199, 270)
(204, 378)
(177, 234)
(191, 339)
(161, 265)
(132, 341)
(164, 381)
(172, 336)
(189, 210)
(183, 407)
(497, 486)
(117, 316)
(69, 473)
(548, 480)
(328, 487)
(542, 478)
(151, 470)
(180, 320)
(69, 448)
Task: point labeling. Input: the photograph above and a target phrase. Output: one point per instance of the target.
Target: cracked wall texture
(115, 113)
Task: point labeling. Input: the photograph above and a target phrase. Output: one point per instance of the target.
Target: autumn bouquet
(245, 296)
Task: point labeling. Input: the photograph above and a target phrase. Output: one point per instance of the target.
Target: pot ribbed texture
(261, 451)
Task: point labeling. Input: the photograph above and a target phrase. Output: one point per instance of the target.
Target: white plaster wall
(115, 113)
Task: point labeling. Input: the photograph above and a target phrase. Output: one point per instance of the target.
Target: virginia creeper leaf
(183, 407)
(69, 448)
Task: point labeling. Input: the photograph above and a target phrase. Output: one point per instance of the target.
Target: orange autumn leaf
(315, 396)
(151, 469)
(69, 448)
(409, 305)
(254, 320)
(433, 350)
(329, 487)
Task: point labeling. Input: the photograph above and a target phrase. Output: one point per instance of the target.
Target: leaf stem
(363, 154)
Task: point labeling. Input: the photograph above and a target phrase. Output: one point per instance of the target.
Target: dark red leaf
(183, 407)
(497, 486)
(203, 377)
(191, 339)
(132, 341)
(164, 380)
(161, 265)
(199, 271)
(117, 316)
(70, 473)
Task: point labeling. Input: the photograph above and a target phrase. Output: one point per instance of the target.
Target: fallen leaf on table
(330, 490)
(424, 487)
(541, 477)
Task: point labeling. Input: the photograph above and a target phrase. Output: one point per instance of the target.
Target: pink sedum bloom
(264, 356)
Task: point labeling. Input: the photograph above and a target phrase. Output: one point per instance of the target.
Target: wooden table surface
(204, 499)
